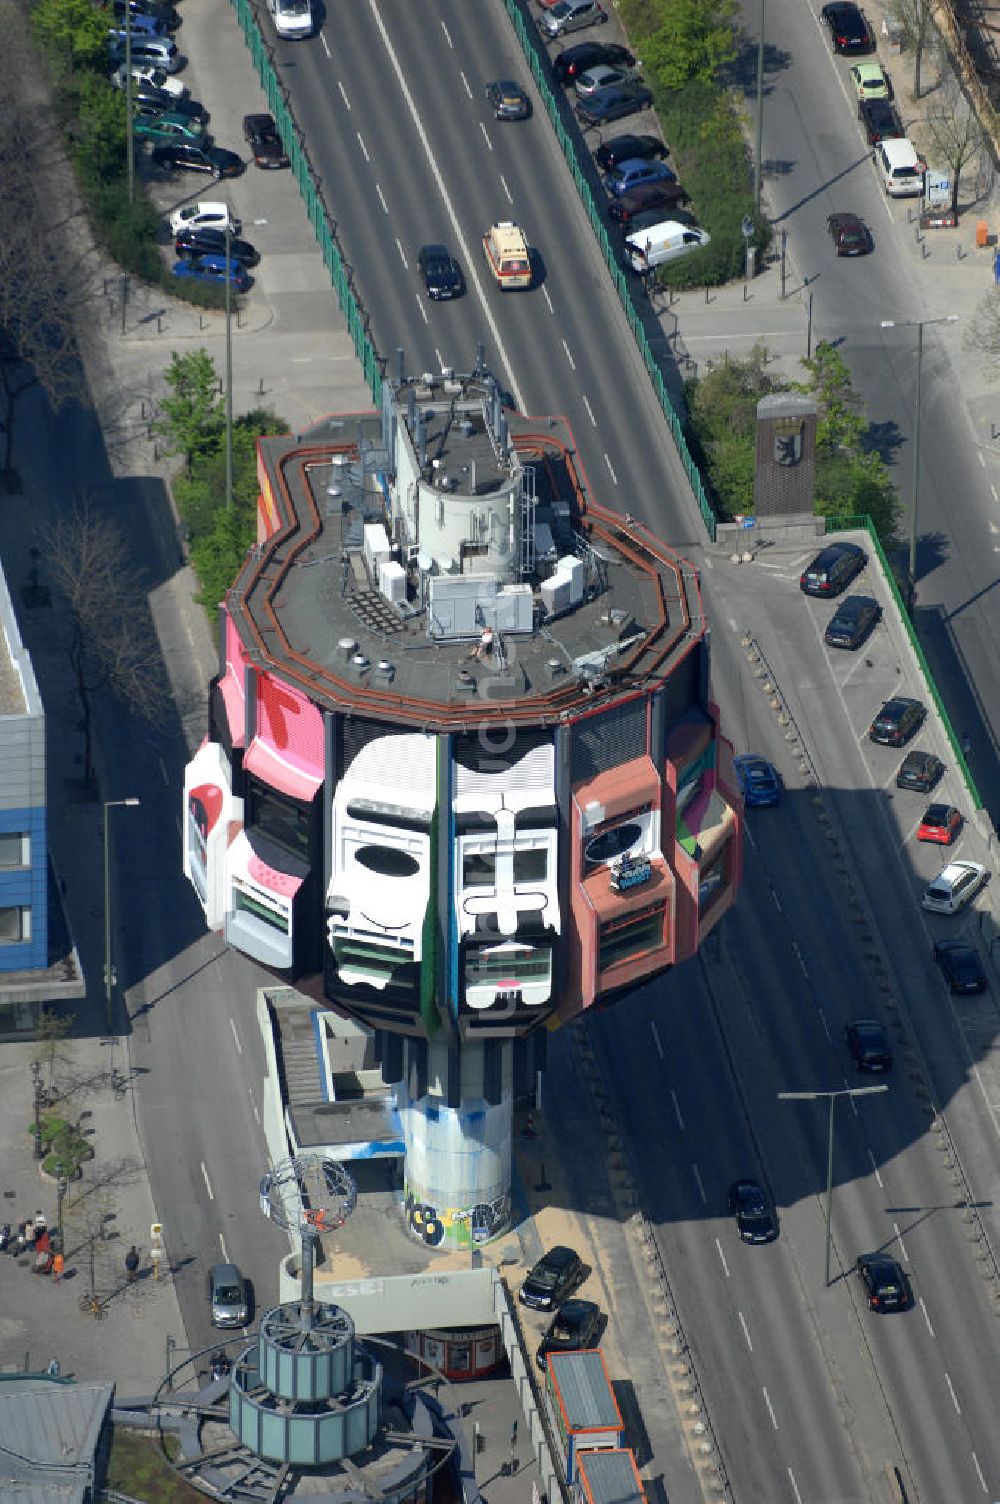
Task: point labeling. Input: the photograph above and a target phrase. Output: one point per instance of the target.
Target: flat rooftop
(305, 602)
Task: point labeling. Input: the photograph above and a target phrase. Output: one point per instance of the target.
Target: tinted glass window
(387, 861)
(612, 843)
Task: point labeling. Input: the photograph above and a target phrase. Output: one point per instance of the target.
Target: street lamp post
(36, 1081)
(831, 1096)
(758, 166)
(919, 325)
(109, 972)
(61, 1184)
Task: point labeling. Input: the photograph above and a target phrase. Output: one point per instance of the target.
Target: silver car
(227, 1295)
(571, 15)
(953, 887)
(601, 76)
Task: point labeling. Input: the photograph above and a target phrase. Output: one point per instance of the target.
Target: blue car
(634, 172)
(213, 269)
(759, 782)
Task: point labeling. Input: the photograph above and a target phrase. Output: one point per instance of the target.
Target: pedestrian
(58, 1265)
(29, 1233)
(132, 1263)
(966, 744)
(53, 1368)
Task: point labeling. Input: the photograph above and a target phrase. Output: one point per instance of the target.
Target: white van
(658, 244)
(900, 170)
(292, 18)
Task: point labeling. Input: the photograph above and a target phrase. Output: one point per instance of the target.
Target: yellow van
(507, 256)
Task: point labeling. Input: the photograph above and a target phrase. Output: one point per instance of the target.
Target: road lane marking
(611, 468)
(775, 899)
(795, 1486)
(927, 1318)
(899, 1238)
(503, 185)
(402, 253)
(590, 411)
(364, 149)
(656, 1040)
(545, 295)
(465, 82)
(486, 135)
(325, 47)
(979, 1473)
(951, 1391)
(875, 1171)
(381, 197)
(460, 239)
(253, 1107)
(343, 94)
(423, 310)
(677, 1109)
(572, 362)
(236, 1037)
(770, 1407)
(746, 1332)
(208, 1183)
(701, 1188)
(982, 460)
(993, 489)
(222, 1245)
(439, 358)
(722, 1256)
(802, 964)
(447, 36)
(826, 1026)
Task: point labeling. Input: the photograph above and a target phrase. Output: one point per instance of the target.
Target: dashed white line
(439, 358)
(381, 197)
(656, 1040)
(545, 295)
(236, 1038)
(447, 36)
(402, 253)
(364, 149)
(486, 135)
(503, 185)
(208, 1183)
(722, 1257)
(701, 1188)
(749, 835)
(590, 412)
(979, 1473)
(875, 1171)
(611, 468)
(343, 94)
(993, 491)
(163, 770)
(325, 47)
(423, 310)
(823, 1021)
(982, 459)
(801, 961)
(926, 1316)
(775, 899)
(770, 1407)
(222, 1245)
(677, 1109)
(795, 1486)
(951, 1391)
(746, 1330)
(899, 1237)
(465, 82)
(572, 362)
(253, 1108)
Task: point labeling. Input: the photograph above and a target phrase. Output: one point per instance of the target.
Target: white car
(155, 78)
(205, 212)
(954, 886)
(292, 18)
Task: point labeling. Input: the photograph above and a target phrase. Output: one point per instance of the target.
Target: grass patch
(138, 1467)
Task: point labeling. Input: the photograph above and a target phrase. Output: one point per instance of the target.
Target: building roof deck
(303, 603)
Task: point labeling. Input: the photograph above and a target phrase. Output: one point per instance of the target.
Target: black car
(919, 771)
(833, 569)
(551, 1280)
(441, 272)
(898, 720)
(573, 1328)
(613, 103)
(184, 156)
(852, 621)
(207, 240)
(849, 29)
(261, 134)
(869, 1048)
(158, 102)
(886, 1286)
(647, 217)
(756, 1221)
(879, 120)
(628, 148)
(662, 195)
(164, 13)
(960, 966)
(573, 61)
(508, 100)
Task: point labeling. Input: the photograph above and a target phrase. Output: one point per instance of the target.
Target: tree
(111, 642)
(850, 480)
(983, 330)
(914, 19)
(723, 416)
(192, 418)
(960, 140)
(52, 1030)
(73, 33)
(689, 39)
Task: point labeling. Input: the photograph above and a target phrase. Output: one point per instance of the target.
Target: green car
(166, 129)
(871, 81)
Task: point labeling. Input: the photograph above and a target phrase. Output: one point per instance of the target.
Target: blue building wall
(23, 888)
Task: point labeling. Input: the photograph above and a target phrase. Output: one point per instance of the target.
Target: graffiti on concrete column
(456, 1227)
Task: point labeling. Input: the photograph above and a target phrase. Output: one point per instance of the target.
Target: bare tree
(983, 330)
(960, 141)
(914, 18)
(111, 643)
(52, 1029)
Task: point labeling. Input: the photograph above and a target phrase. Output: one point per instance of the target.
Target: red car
(941, 823)
(850, 235)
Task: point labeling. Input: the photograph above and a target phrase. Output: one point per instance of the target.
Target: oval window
(387, 861)
(611, 843)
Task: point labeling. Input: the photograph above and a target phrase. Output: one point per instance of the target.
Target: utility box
(936, 212)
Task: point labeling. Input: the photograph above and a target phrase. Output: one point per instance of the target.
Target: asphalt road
(816, 162)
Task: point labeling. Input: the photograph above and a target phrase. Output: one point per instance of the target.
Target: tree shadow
(741, 73)
(884, 439)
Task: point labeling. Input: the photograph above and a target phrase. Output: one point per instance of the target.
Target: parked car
(145, 73)
(207, 212)
(210, 240)
(871, 81)
(661, 195)
(601, 76)
(571, 15)
(228, 1296)
(508, 100)
(566, 65)
(441, 272)
(141, 27)
(955, 886)
(849, 28)
(833, 569)
(550, 1281)
(850, 235)
(865, 1038)
(919, 771)
(756, 1219)
(879, 120)
(152, 125)
(854, 618)
(625, 148)
(647, 218)
(898, 720)
(636, 172)
(157, 9)
(885, 1285)
(261, 134)
(941, 824)
(960, 966)
(613, 103)
(573, 1328)
(214, 269)
(184, 156)
(147, 101)
(758, 780)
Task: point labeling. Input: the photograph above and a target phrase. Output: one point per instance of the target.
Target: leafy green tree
(840, 424)
(73, 33)
(100, 149)
(850, 480)
(192, 415)
(689, 39)
(722, 410)
(217, 555)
